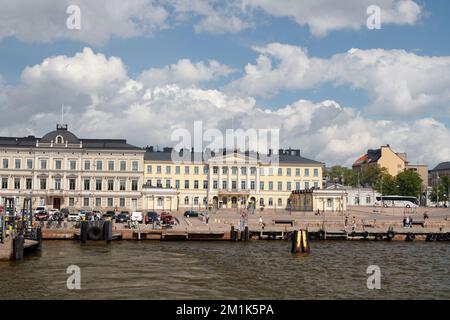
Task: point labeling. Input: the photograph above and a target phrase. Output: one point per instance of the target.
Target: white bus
(397, 201)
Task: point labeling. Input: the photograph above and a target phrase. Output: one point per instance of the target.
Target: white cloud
(323, 16)
(45, 20)
(147, 115)
(185, 72)
(397, 82)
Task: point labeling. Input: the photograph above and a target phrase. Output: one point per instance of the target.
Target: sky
(141, 69)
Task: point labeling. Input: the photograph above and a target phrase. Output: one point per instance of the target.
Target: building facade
(225, 180)
(357, 196)
(61, 170)
(319, 200)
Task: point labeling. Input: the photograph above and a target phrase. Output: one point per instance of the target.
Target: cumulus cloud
(185, 72)
(45, 20)
(397, 82)
(103, 101)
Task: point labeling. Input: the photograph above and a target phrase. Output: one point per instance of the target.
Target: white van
(137, 216)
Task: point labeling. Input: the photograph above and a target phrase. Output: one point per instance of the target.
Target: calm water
(226, 270)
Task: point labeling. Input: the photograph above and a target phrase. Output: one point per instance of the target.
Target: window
(87, 184)
(71, 184)
(195, 184)
(253, 170)
(288, 172)
(329, 203)
(17, 183)
(135, 166)
(29, 183)
(57, 184)
(4, 183)
(87, 165)
(43, 183)
(368, 200)
(316, 172)
(123, 165)
(186, 200)
(280, 202)
(58, 164)
(261, 171)
(205, 170)
(122, 183)
(134, 185)
(196, 171)
(270, 202)
(297, 172)
(168, 169)
(261, 202)
(168, 183)
(122, 202)
(288, 186)
(149, 169)
(297, 186)
(196, 201)
(98, 184)
(110, 185)
(215, 184)
(177, 169)
(29, 163)
(270, 185)
(111, 165)
(160, 202)
(73, 165)
(243, 170)
(17, 163)
(110, 202)
(186, 170)
(43, 164)
(215, 170)
(98, 202)
(71, 202)
(316, 184)
(86, 202)
(59, 140)
(280, 186)
(243, 185)
(261, 185)
(307, 172)
(306, 185)
(280, 171)
(234, 184)
(205, 184)
(224, 170)
(177, 184)
(5, 163)
(99, 165)
(270, 171)
(252, 185)
(234, 170)
(224, 185)
(186, 184)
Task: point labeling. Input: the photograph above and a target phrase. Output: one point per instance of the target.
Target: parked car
(122, 217)
(150, 217)
(109, 214)
(74, 216)
(191, 213)
(137, 216)
(84, 214)
(41, 214)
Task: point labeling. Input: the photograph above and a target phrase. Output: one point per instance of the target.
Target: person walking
(354, 223)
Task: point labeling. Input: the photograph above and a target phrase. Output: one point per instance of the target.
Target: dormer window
(59, 140)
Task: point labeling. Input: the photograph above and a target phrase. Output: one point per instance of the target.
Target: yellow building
(384, 157)
(225, 180)
(319, 200)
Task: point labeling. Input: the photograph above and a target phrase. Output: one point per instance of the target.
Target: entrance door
(57, 203)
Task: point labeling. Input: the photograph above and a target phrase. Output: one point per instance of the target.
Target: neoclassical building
(225, 180)
(62, 170)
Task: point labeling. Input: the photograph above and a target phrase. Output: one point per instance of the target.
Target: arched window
(186, 200)
(196, 201)
(261, 201)
(270, 202)
(59, 140)
(280, 202)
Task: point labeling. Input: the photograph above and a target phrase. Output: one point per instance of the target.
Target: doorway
(57, 203)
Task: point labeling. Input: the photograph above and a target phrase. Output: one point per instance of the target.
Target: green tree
(386, 184)
(342, 175)
(371, 175)
(438, 192)
(409, 183)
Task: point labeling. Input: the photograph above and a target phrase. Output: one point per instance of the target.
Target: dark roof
(442, 166)
(166, 155)
(69, 137)
(372, 155)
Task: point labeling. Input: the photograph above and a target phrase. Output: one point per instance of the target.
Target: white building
(358, 196)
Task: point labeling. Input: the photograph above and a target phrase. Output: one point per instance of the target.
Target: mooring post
(300, 241)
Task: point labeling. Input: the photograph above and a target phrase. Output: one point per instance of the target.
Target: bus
(397, 201)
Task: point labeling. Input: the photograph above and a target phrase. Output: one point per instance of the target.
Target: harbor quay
(271, 225)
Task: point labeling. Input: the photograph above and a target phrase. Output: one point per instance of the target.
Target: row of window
(73, 164)
(234, 170)
(87, 185)
(110, 202)
(234, 184)
(234, 201)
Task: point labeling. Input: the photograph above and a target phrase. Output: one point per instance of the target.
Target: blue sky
(179, 38)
